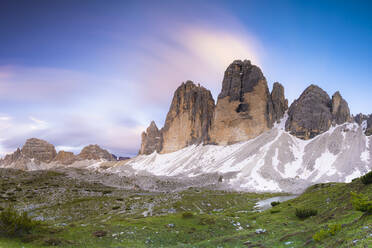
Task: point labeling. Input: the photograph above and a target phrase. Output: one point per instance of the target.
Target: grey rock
(240, 77)
(340, 109)
(360, 118)
(280, 104)
(310, 114)
(152, 140)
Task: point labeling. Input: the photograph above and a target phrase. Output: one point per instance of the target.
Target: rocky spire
(280, 103)
(340, 109)
(244, 108)
(189, 118)
(152, 140)
(314, 112)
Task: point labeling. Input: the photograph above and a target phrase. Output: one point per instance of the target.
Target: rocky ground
(78, 210)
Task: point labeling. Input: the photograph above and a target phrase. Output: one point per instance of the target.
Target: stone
(340, 109)
(94, 152)
(152, 140)
(65, 158)
(310, 114)
(244, 108)
(280, 103)
(39, 150)
(189, 118)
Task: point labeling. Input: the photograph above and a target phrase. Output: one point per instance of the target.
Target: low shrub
(115, 207)
(187, 215)
(324, 233)
(207, 220)
(14, 224)
(275, 203)
(361, 203)
(304, 213)
(367, 178)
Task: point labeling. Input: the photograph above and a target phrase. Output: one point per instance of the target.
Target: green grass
(72, 211)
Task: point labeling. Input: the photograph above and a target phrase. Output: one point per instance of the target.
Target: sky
(98, 72)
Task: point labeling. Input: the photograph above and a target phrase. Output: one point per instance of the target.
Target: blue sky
(82, 72)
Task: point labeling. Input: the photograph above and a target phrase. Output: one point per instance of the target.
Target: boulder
(244, 108)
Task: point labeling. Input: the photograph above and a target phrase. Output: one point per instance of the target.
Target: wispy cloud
(192, 53)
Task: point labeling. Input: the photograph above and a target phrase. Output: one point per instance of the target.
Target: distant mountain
(250, 139)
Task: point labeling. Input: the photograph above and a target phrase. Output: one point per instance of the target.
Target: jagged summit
(245, 109)
(188, 121)
(39, 150)
(314, 112)
(152, 140)
(36, 152)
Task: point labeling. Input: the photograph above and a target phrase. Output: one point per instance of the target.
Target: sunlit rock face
(244, 108)
(39, 150)
(314, 112)
(152, 140)
(65, 158)
(189, 118)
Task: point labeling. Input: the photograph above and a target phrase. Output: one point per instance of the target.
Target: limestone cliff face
(152, 140)
(244, 108)
(39, 149)
(314, 112)
(189, 118)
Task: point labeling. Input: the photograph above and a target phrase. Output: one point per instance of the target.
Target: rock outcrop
(280, 103)
(244, 108)
(152, 140)
(39, 150)
(189, 118)
(94, 152)
(366, 121)
(314, 112)
(65, 158)
(340, 109)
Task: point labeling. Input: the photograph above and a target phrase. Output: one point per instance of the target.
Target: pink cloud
(192, 53)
